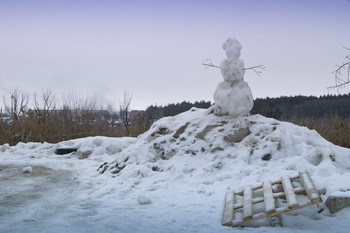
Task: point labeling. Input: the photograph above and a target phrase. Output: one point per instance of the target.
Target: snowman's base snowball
(234, 99)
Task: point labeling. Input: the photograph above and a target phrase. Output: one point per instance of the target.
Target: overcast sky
(154, 49)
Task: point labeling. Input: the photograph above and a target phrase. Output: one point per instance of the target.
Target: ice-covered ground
(172, 178)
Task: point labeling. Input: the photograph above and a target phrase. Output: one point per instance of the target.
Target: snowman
(233, 96)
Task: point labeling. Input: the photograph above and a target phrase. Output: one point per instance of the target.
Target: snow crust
(173, 178)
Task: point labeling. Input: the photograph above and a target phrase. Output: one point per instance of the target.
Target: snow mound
(172, 178)
(200, 148)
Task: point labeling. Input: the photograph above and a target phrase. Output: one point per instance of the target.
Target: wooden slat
(228, 209)
(288, 190)
(311, 191)
(247, 203)
(268, 198)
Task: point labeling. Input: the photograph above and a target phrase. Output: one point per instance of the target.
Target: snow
(142, 200)
(233, 96)
(234, 100)
(227, 215)
(27, 169)
(341, 193)
(173, 178)
(232, 70)
(232, 48)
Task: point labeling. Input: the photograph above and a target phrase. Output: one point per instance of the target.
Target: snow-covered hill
(173, 178)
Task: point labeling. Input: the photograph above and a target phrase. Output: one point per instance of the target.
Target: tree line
(300, 107)
(155, 112)
(81, 117)
(329, 115)
(37, 118)
(40, 120)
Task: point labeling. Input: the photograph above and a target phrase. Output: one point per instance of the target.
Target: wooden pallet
(259, 202)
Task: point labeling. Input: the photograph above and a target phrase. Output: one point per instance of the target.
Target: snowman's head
(232, 48)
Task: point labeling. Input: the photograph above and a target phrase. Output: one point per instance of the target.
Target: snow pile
(202, 144)
(173, 178)
(233, 95)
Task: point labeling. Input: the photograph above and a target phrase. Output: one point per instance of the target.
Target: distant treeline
(300, 107)
(282, 108)
(329, 115)
(157, 112)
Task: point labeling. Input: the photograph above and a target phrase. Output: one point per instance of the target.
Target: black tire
(64, 151)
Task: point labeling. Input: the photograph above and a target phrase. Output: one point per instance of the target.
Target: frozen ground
(173, 178)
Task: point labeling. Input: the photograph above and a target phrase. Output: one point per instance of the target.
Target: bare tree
(340, 80)
(124, 109)
(79, 109)
(19, 104)
(48, 103)
(17, 109)
(77, 102)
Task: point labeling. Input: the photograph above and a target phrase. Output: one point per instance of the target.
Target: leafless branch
(209, 63)
(340, 81)
(45, 107)
(257, 69)
(124, 109)
(18, 104)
